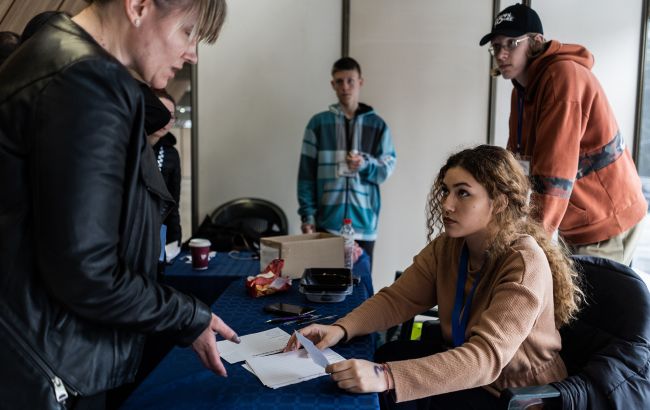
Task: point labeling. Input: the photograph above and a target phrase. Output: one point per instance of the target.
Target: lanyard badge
(458, 320)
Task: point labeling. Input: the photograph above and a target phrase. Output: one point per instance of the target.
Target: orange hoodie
(585, 181)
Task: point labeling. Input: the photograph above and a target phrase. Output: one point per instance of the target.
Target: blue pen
(287, 319)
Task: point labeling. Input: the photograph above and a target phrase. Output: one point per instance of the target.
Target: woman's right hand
(323, 336)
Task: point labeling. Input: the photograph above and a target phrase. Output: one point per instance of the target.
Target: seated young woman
(502, 287)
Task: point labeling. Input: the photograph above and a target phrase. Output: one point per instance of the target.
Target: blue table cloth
(225, 268)
(208, 284)
(181, 382)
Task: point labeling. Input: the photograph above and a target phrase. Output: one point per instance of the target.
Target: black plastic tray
(326, 279)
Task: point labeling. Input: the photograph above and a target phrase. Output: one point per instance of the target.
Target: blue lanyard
(458, 321)
(520, 118)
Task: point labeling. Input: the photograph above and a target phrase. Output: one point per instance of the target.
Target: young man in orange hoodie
(565, 135)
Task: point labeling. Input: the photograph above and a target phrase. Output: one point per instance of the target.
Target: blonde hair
(211, 14)
(536, 47)
(497, 170)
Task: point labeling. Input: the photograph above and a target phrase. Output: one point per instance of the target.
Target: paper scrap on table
(254, 344)
(316, 355)
(171, 251)
(284, 369)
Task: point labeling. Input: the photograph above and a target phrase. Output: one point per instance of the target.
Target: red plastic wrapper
(269, 281)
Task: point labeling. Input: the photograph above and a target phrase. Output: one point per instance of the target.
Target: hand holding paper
(323, 336)
(316, 355)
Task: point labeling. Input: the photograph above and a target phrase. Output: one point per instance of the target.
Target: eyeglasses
(509, 45)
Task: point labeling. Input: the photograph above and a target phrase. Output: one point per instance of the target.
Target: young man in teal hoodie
(347, 151)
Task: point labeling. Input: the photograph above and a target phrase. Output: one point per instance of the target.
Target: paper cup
(200, 249)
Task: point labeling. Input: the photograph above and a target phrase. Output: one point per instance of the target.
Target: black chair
(606, 349)
(260, 216)
(430, 325)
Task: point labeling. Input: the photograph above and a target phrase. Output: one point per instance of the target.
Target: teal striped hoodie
(321, 193)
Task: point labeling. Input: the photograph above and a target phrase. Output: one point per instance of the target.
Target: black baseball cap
(514, 21)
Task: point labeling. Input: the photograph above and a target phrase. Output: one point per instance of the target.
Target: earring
(136, 22)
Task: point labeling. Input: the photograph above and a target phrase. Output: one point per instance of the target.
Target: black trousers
(471, 399)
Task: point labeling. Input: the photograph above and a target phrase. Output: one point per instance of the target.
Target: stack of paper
(283, 369)
(255, 344)
(280, 369)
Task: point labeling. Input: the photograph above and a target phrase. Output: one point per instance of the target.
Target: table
(226, 267)
(208, 284)
(181, 382)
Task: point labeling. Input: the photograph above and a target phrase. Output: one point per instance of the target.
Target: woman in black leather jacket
(82, 202)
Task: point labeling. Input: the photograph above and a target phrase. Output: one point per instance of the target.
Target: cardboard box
(314, 250)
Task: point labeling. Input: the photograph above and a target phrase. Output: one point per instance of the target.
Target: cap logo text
(503, 17)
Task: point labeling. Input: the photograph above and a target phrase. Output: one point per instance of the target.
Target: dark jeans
(96, 402)
(368, 247)
(471, 399)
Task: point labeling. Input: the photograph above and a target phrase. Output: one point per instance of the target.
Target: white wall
(425, 75)
(257, 87)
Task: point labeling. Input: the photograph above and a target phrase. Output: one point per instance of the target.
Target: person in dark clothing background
(169, 163)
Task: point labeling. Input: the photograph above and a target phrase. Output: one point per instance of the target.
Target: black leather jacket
(80, 215)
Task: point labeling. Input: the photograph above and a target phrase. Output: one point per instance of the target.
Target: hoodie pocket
(574, 217)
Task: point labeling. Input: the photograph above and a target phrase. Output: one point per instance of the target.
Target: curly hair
(501, 175)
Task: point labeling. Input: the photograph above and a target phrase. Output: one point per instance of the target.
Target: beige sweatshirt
(511, 339)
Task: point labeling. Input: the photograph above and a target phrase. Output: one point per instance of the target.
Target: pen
(304, 322)
(290, 318)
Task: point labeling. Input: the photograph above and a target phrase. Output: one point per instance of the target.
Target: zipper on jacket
(60, 391)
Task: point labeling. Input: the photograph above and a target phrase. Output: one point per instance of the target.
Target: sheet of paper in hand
(316, 355)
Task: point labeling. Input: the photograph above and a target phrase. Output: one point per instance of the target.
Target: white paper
(171, 251)
(316, 355)
(288, 368)
(255, 344)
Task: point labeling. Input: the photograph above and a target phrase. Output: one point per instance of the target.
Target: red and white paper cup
(200, 249)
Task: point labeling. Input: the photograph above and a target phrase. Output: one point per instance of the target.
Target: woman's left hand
(360, 376)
